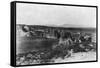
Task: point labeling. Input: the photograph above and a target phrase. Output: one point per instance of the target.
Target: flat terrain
(80, 56)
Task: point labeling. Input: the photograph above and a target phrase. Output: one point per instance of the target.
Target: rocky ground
(80, 56)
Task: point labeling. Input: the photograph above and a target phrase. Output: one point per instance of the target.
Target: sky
(37, 14)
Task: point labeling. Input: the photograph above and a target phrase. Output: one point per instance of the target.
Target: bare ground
(80, 56)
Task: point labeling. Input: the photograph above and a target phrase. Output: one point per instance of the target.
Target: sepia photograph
(52, 33)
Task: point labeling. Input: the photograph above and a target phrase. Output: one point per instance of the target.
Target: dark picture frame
(13, 31)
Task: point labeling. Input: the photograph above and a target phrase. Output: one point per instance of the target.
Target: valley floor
(76, 57)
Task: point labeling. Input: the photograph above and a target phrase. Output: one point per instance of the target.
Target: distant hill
(64, 27)
(69, 26)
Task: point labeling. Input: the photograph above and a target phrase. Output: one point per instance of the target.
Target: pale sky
(38, 14)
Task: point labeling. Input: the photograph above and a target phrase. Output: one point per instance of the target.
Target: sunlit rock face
(94, 37)
(20, 32)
